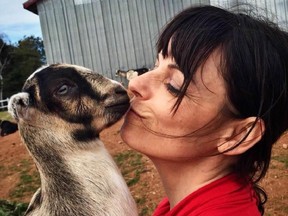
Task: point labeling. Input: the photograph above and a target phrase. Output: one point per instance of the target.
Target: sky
(17, 22)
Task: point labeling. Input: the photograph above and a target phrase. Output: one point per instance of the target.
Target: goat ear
(238, 131)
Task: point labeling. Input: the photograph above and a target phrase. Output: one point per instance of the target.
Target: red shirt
(228, 196)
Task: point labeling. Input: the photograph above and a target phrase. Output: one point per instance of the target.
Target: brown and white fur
(60, 113)
(131, 73)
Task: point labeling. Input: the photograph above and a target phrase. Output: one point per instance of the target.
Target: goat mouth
(119, 107)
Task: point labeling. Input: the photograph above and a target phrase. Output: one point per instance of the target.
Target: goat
(131, 73)
(7, 127)
(60, 112)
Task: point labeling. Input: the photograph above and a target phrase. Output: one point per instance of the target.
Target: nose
(140, 87)
(120, 90)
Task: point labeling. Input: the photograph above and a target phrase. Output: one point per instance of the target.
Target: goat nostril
(22, 103)
(120, 90)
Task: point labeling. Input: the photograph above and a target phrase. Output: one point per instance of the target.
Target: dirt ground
(146, 189)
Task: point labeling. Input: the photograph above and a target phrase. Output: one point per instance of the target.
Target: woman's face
(152, 128)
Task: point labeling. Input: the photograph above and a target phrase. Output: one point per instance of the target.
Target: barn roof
(31, 5)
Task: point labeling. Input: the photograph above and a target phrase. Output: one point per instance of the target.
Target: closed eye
(174, 91)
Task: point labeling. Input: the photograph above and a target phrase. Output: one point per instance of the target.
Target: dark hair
(254, 64)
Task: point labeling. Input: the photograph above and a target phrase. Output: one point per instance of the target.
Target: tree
(26, 56)
(4, 60)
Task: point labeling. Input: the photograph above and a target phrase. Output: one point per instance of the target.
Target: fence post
(4, 104)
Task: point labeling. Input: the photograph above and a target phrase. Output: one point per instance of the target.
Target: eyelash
(174, 91)
(170, 88)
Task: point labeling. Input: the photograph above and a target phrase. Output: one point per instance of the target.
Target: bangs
(193, 35)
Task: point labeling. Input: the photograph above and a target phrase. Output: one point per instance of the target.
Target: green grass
(282, 159)
(130, 163)
(29, 182)
(2, 168)
(131, 166)
(4, 115)
(12, 208)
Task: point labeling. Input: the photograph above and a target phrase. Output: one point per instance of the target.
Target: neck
(88, 176)
(184, 177)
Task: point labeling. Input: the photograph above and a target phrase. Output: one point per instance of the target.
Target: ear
(248, 131)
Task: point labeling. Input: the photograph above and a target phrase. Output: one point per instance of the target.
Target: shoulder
(228, 212)
(225, 196)
(163, 208)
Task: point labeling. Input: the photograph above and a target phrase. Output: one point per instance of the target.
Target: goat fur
(60, 113)
(131, 73)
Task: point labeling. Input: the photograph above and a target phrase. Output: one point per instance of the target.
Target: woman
(209, 112)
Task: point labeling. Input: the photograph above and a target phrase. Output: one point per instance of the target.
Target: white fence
(4, 103)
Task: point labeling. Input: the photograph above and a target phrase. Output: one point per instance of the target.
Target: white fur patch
(38, 70)
(14, 100)
(81, 68)
(114, 81)
(131, 74)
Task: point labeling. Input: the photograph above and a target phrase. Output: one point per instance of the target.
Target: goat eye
(63, 90)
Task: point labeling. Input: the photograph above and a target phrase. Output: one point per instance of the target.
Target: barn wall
(105, 35)
(275, 10)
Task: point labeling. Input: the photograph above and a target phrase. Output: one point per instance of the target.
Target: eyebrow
(173, 66)
(170, 66)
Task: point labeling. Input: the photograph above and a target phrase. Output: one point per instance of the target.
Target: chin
(128, 133)
(131, 135)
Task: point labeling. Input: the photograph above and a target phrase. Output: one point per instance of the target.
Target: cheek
(177, 124)
(159, 144)
(155, 146)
